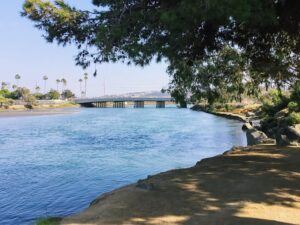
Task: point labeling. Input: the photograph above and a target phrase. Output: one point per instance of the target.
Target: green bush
(295, 94)
(274, 102)
(293, 107)
(293, 118)
(53, 95)
(4, 93)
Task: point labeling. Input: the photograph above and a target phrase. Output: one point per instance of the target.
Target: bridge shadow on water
(261, 187)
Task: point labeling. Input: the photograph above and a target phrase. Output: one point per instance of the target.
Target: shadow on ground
(257, 186)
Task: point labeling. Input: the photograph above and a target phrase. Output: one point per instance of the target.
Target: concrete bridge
(123, 102)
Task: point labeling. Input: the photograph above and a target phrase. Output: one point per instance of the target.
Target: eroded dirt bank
(258, 186)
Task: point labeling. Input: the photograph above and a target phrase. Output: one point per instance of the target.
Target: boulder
(255, 137)
(250, 114)
(288, 136)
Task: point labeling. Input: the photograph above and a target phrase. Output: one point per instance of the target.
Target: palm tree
(80, 83)
(86, 77)
(3, 85)
(57, 83)
(37, 89)
(64, 82)
(17, 77)
(45, 78)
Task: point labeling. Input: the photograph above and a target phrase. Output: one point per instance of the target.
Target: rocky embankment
(283, 136)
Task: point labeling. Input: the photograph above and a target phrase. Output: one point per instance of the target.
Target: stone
(247, 126)
(250, 114)
(255, 137)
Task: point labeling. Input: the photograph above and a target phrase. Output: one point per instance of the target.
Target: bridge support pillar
(160, 104)
(119, 104)
(102, 105)
(139, 104)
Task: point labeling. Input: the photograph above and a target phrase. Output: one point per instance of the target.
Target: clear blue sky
(24, 51)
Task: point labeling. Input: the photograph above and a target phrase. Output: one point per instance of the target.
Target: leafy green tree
(67, 94)
(5, 93)
(53, 95)
(186, 33)
(3, 85)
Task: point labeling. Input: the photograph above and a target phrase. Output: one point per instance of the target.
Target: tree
(67, 94)
(3, 85)
(14, 86)
(64, 82)
(183, 32)
(37, 89)
(53, 95)
(80, 85)
(45, 78)
(86, 77)
(17, 78)
(57, 84)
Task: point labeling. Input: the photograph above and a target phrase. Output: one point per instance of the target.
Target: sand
(248, 186)
(37, 112)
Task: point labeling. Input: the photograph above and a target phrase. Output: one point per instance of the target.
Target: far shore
(41, 110)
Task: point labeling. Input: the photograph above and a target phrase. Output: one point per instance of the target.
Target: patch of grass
(48, 221)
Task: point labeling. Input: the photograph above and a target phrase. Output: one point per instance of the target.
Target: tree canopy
(209, 44)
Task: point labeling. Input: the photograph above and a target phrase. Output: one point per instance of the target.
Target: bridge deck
(127, 99)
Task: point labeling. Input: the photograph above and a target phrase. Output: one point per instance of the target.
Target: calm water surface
(56, 165)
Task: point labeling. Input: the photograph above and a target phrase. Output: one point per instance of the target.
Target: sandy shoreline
(38, 112)
(257, 185)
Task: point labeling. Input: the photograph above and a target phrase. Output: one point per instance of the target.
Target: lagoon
(56, 165)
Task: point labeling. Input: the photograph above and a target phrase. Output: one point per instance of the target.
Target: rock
(250, 114)
(288, 136)
(281, 114)
(145, 185)
(255, 137)
(247, 126)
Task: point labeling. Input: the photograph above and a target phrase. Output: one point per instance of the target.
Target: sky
(24, 51)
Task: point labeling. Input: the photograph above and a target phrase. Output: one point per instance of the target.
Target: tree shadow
(224, 190)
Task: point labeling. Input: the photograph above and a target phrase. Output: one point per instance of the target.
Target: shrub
(293, 118)
(53, 95)
(293, 107)
(274, 102)
(295, 94)
(67, 94)
(5, 93)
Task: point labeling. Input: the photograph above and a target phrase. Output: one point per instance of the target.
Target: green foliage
(39, 96)
(5, 93)
(273, 102)
(67, 94)
(295, 94)
(293, 118)
(294, 106)
(5, 101)
(48, 221)
(217, 50)
(53, 95)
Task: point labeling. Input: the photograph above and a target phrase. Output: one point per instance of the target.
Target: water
(56, 165)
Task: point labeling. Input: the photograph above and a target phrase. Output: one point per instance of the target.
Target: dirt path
(258, 186)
